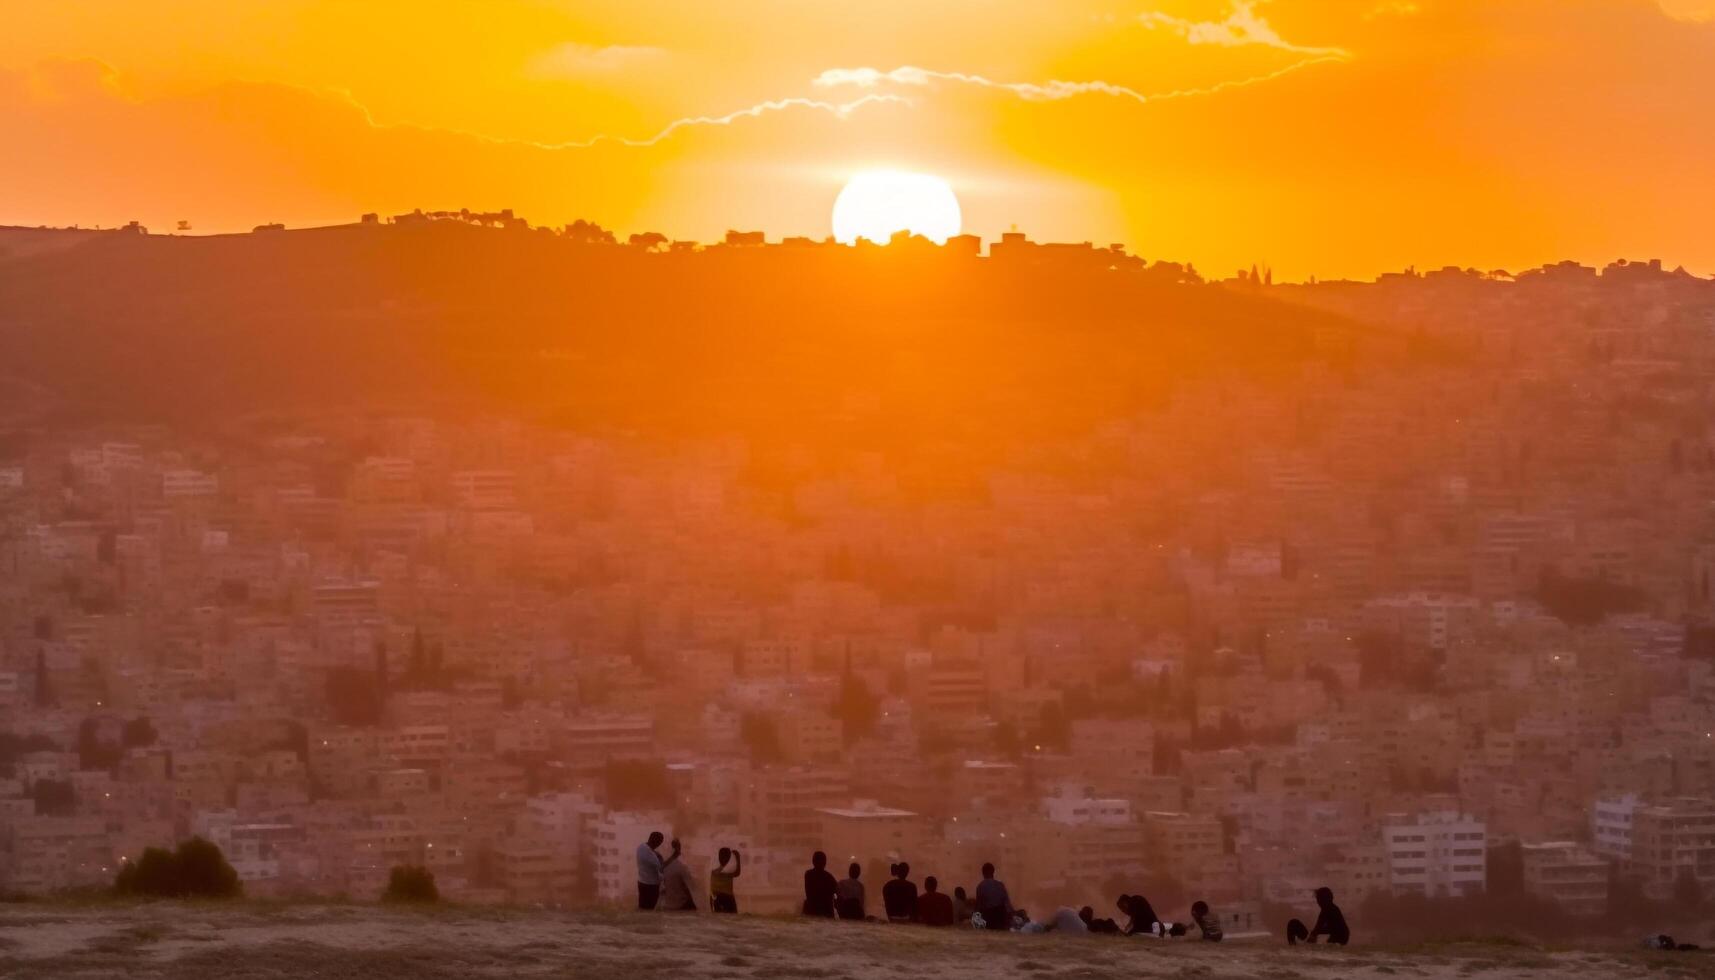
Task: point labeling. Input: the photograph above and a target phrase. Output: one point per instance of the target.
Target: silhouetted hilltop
(908, 339)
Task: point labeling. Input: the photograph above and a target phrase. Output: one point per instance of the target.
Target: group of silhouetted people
(665, 883)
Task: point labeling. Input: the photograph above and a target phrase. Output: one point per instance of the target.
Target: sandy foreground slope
(262, 940)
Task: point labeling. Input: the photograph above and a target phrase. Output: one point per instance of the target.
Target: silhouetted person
(649, 868)
(848, 895)
(1330, 922)
(962, 907)
(678, 887)
(1141, 915)
(934, 908)
(1095, 925)
(994, 904)
(899, 896)
(819, 888)
(1065, 919)
(1207, 922)
(722, 896)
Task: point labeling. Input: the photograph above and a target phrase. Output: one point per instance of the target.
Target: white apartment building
(179, 484)
(1611, 827)
(1440, 853)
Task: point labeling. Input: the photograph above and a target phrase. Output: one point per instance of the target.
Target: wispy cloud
(839, 110)
(1241, 27)
(573, 59)
(1393, 8)
(1053, 90)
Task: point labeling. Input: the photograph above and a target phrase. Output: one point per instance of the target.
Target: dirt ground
(263, 940)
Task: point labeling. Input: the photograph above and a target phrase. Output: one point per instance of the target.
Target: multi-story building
(1436, 854)
(1568, 874)
(1673, 839)
(866, 831)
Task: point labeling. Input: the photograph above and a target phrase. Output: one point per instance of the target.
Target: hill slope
(263, 940)
(160, 328)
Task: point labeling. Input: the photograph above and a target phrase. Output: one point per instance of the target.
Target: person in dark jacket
(1330, 922)
(1095, 925)
(1144, 921)
(994, 904)
(933, 907)
(899, 896)
(819, 888)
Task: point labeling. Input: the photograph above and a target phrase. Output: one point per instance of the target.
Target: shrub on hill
(411, 883)
(197, 869)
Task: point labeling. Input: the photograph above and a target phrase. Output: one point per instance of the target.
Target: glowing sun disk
(877, 203)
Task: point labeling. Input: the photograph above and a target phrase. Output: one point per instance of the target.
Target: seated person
(1330, 922)
(934, 908)
(1142, 918)
(899, 896)
(1067, 920)
(1207, 921)
(677, 885)
(848, 895)
(819, 888)
(962, 907)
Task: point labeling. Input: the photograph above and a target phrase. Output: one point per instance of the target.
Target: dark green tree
(411, 884)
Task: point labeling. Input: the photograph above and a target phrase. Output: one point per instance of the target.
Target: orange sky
(1327, 137)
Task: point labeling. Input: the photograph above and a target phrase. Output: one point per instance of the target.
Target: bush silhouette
(196, 869)
(151, 874)
(411, 883)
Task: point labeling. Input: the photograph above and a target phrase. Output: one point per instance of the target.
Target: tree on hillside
(53, 798)
(411, 884)
(761, 735)
(1506, 869)
(196, 869)
(93, 751)
(1586, 601)
(352, 697)
(139, 733)
(44, 684)
(637, 784)
(857, 707)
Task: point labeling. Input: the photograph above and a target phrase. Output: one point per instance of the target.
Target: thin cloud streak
(1242, 27)
(840, 110)
(1054, 90)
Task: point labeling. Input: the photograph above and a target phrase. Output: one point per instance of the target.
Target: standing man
(993, 902)
(649, 868)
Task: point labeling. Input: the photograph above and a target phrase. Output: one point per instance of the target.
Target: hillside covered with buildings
(493, 550)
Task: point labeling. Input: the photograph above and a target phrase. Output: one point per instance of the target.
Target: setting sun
(876, 204)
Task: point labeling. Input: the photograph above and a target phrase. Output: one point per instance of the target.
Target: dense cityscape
(1399, 626)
